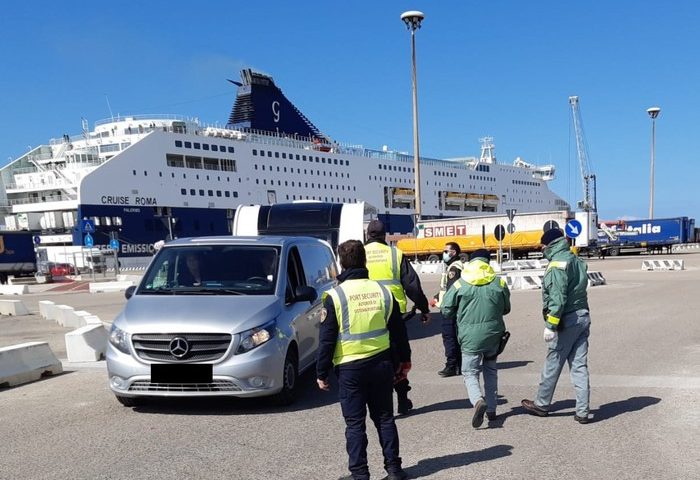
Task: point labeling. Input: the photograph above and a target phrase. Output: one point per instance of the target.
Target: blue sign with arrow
(87, 226)
(114, 244)
(573, 228)
(37, 239)
(88, 241)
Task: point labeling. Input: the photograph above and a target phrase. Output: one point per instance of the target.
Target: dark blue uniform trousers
(453, 354)
(359, 389)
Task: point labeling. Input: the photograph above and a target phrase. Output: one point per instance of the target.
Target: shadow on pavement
(417, 330)
(613, 409)
(455, 404)
(515, 364)
(44, 376)
(604, 412)
(308, 396)
(430, 466)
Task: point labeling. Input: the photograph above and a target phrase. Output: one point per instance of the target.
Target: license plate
(185, 373)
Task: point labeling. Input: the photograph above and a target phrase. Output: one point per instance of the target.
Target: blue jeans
(570, 345)
(472, 365)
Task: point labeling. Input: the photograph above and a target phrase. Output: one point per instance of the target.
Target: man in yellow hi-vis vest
(388, 266)
(360, 324)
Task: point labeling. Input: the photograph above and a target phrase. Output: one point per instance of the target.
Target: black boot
(449, 371)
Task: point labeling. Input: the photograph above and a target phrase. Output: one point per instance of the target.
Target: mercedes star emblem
(179, 347)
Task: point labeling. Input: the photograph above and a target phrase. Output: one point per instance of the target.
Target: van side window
(295, 274)
(319, 266)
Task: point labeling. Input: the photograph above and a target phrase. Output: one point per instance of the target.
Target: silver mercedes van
(221, 316)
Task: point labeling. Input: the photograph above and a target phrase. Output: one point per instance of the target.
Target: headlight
(255, 337)
(119, 338)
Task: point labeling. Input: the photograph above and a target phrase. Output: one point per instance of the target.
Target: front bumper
(253, 374)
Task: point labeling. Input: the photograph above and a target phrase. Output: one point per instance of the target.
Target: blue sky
(499, 68)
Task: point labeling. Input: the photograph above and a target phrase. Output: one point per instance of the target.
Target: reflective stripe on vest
(456, 265)
(362, 308)
(384, 266)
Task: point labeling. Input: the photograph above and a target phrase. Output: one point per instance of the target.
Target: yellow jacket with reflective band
(363, 308)
(564, 284)
(477, 302)
(457, 266)
(384, 266)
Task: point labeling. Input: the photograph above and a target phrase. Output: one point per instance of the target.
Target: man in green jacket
(567, 326)
(477, 302)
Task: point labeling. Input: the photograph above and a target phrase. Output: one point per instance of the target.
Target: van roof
(230, 240)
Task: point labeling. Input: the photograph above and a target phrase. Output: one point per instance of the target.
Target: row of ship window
(200, 163)
(184, 175)
(296, 156)
(306, 185)
(310, 172)
(440, 173)
(524, 182)
(324, 199)
(204, 146)
(210, 193)
(395, 168)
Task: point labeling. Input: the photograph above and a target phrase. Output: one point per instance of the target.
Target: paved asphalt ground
(645, 375)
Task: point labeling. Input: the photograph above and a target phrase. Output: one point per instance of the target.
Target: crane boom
(587, 178)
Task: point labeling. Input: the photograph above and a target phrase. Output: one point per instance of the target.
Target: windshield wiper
(157, 291)
(208, 291)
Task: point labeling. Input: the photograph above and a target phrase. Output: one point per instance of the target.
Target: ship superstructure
(145, 178)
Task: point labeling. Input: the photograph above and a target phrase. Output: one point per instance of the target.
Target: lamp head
(653, 112)
(412, 19)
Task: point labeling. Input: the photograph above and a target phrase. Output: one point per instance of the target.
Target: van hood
(197, 313)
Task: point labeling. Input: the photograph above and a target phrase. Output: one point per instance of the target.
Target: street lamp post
(413, 20)
(653, 113)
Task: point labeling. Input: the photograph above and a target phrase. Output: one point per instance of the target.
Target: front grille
(215, 386)
(203, 347)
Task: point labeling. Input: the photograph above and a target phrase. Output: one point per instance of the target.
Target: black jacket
(410, 282)
(450, 279)
(328, 334)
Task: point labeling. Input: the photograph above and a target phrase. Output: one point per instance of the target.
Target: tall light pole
(413, 20)
(653, 113)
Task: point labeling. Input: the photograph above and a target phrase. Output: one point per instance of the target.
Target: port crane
(588, 214)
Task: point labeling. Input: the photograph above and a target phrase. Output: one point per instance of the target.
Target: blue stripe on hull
(141, 228)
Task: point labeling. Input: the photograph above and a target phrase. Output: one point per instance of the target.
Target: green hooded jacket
(477, 302)
(564, 283)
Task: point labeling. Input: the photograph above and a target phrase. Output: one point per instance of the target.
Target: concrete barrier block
(97, 287)
(595, 279)
(27, 362)
(86, 344)
(75, 319)
(14, 289)
(63, 313)
(45, 309)
(93, 320)
(13, 307)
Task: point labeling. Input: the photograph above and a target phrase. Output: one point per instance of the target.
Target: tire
(614, 252)
(129, 401)
(433, 258)
(290, 379)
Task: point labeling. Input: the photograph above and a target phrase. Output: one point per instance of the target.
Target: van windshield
(212, 269)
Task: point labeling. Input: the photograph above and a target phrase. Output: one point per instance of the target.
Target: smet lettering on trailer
(126, 200)
(447, 231)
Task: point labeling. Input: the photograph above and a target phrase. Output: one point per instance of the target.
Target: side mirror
(130, 292)
(305, 294)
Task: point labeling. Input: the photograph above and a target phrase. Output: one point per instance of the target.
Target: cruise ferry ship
(146, 178)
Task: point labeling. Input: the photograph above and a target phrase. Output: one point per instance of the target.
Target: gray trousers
(570, 345)
(472, 365)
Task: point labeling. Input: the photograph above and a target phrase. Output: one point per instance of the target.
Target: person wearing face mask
(567, 326)
(453, 269)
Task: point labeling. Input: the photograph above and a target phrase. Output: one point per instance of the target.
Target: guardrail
(663, 265)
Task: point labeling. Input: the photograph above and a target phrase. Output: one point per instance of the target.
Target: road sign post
(499, 232)
(511, 231)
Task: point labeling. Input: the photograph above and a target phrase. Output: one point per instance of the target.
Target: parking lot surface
(645, 376)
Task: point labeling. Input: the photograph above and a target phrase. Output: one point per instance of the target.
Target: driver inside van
(191, 276)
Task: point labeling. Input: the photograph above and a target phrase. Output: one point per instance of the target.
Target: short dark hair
(454, 246)
(352, 254)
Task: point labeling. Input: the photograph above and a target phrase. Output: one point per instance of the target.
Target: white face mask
(446, 257)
